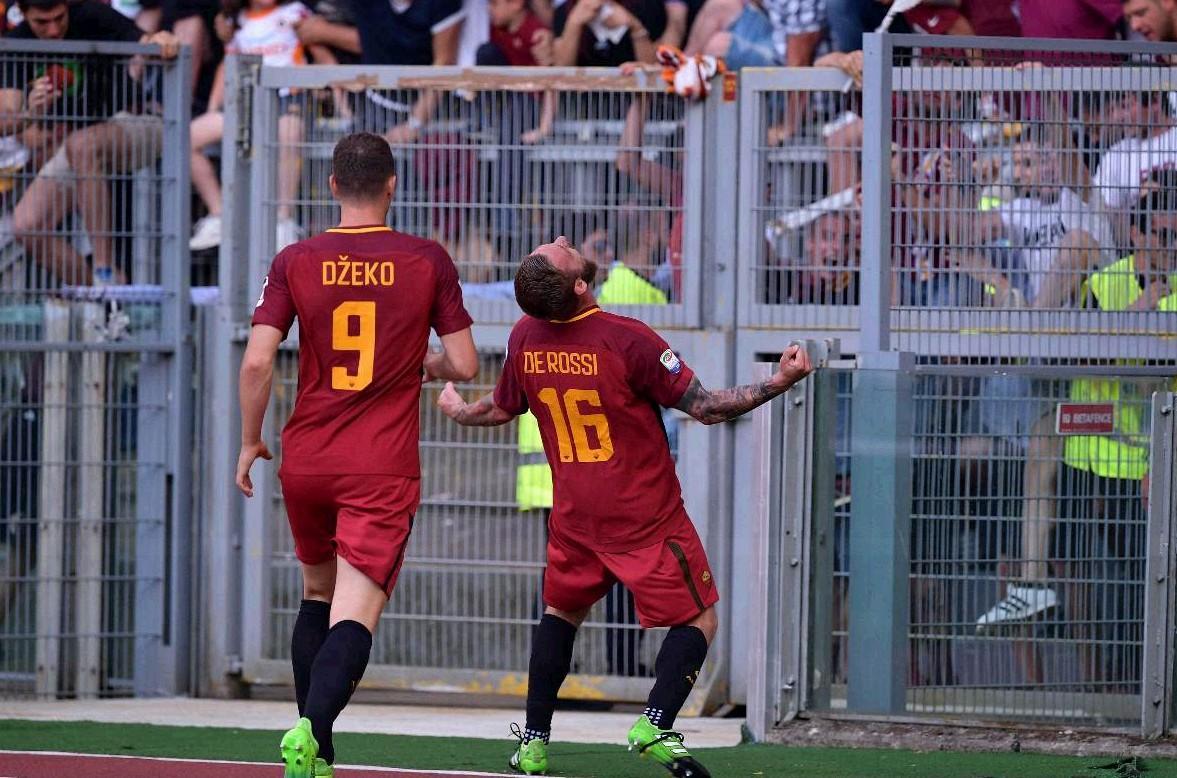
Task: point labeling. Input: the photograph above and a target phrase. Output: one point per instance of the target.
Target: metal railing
(989, 508)
(95, 369)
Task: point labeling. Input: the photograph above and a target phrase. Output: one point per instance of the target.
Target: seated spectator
(269, 29)
(1153, 20)
(1150, 144)
(405, 32)
(1057, 235)
(827, 273)
(92, 110)
(738, 31)
(600, 33)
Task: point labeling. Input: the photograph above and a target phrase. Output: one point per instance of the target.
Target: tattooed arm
(727, 404)
(483, 413)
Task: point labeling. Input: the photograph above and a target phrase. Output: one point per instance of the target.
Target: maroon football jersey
(516, 46)
(596, 384)
(365, 298)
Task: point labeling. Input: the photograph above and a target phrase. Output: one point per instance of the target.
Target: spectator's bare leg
(289, 162)
(45, 203)
(94, 154)
(207, 128)
(799, 51)
(714, 18)
(718, 44)
(843, 149)
(192, 33)
(1042, 456)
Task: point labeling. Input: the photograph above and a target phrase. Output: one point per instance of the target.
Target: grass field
(580, 761)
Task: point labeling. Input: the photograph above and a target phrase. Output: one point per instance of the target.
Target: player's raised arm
(726, 404)
(484, 413)
(257, 373)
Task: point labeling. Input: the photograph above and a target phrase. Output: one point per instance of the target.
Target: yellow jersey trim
(585, 315)
(359, 230)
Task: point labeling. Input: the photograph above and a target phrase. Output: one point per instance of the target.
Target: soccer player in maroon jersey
(595, 382)
(365, 297)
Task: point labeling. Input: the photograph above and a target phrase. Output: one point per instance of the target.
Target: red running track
(54, 765)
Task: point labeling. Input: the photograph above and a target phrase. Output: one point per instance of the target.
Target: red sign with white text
(1085, 419)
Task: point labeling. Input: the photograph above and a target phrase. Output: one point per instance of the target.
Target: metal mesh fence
(469, 593)
(91, 279)
(72, 469)
(496, 166)
(1036, 187)
(1026, 545)
(81, 182)
(800, 155)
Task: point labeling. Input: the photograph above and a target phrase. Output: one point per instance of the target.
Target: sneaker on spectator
(103, 276)
(206, 234)
(288, 232)
(1021, 603)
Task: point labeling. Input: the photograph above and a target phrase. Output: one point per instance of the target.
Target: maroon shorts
(671, 580)
(366, 519)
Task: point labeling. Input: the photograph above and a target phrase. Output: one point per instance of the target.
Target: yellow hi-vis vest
(625, 287)
(533, 477)
(1124, 453)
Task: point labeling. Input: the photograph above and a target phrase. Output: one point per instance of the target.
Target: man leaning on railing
(89, 122)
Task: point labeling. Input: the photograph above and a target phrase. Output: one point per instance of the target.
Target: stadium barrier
(95, 387)
(618, 167)
(930, 329)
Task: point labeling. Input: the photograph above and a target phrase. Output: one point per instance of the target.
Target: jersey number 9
(364, 342)
(578, 423)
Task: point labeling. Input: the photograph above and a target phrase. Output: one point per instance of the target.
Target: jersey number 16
(567, 416)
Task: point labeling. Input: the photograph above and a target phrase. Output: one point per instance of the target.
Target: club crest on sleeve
(670, 361)
(261, 298)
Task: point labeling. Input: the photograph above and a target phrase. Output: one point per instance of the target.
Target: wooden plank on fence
(51, 511)
(91, 512)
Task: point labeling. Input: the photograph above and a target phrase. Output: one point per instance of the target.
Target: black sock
(310, 630)
(337, 670)
(679, 661)
(551, 659)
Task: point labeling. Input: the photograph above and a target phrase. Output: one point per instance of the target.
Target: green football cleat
(530, 758)
(322, 769)
(666, 748)
(299, 752)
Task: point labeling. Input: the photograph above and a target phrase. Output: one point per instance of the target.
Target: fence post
(764, 639)
(822, 538)
(1160, 591)
(880, 520)
(220, 645)
(91, 506)
(875, 284)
